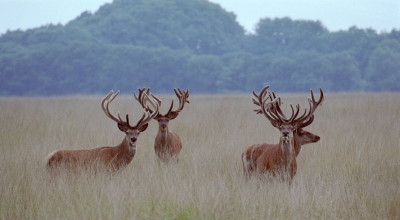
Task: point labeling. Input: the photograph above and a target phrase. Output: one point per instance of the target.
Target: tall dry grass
(352, 173)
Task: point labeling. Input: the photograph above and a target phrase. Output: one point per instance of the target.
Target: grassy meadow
(353, 172)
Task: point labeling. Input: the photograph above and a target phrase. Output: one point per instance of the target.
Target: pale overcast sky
(380, 15)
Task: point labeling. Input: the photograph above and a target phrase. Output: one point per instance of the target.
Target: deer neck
(122, 154)
(163, 135)
(127, 148)
(296, 145)
(286, 145)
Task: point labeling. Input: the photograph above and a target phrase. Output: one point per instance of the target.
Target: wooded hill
(195, 44)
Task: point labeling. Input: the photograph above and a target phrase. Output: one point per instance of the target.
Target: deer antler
(147, 116)
(270, 109)
(104, 105)
(182, 97)
(272, 96)
(307, 119)
(143, 98)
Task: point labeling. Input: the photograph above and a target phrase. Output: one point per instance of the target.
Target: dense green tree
(236, 69)
(258, 73)
(383, 71)
(203, 74)
(343, 73)
(358, 42)
(194, 44)
(282, 72)
(312, 69)
(202, 26)
(283, 35)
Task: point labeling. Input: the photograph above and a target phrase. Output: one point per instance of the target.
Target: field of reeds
(353, 172)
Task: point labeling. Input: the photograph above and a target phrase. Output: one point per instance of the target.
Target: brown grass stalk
(353, 172)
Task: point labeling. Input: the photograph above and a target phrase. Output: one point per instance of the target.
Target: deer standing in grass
(108, 158)
(167, 144)
(300, 136)
(280, 158)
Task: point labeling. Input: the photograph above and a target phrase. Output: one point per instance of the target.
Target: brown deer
(280, 158)
(300, 137)
(109, 158)
(167, 144)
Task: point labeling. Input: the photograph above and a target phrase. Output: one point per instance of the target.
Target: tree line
(130, 44)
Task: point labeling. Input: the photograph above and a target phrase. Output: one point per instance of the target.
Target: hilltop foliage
(195, 44)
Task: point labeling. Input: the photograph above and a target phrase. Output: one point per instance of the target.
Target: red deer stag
(110, 158)
(280, 158)
(167, 144)
(300, 137)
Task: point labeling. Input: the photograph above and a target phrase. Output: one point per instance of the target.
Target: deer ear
(275, 124)
(172, 115)
(143, 128)
(157, 116)
(122, 127)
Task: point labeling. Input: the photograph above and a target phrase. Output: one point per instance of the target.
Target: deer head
(132, 132)
(273, 112)
(163, 119)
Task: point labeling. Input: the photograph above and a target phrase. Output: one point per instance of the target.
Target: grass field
(353, 172)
